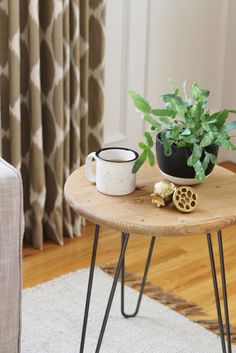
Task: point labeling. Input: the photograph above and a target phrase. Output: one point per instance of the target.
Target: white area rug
(53, 313)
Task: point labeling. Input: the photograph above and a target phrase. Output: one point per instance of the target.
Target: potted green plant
(187, 134)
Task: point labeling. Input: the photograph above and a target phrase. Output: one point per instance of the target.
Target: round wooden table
(135, 213)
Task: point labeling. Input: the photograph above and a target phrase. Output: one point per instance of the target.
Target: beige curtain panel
(51, 71)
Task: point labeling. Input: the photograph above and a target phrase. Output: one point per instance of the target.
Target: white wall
(125, 67)
(187, 41)
(229, 92)
(149, 41)
(229, 87)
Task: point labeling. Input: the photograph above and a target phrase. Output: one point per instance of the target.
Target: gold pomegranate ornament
(162, 193)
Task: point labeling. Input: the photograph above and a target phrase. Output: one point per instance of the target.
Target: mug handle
(89, 167)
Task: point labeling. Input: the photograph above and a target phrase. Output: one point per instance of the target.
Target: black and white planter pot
(175, 168)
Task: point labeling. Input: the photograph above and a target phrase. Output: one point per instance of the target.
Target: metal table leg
(113, 288)
(121, 266)
(142, 284)
(89, 290)
(224, 289)
(224, 292)
(112, 292)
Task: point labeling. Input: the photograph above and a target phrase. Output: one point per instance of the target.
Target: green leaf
(221, 117)
(166, 144)
(205, 126)
(212, 157)
(226, 144)
(195, 156)
(151, 157)
(174, 132)
(222, 135)
(188, 103)
(140, 161)
(137, 166)
(199, 94)
(165, 120)
(213, 116)
(199, 171)
(163, 112)
(210, 122)
(207, 139)
(152, 121)
(176, 91)
(232, 111)
(180, 110)
(181, 143)
(185, 89)
(142, 146)
(143, 156)
(149, 139)
(171, 96)
(190, 140)
(140, 103)
(186, 132)
(198, 110)
(205, 161)
(196, 93)
(230, 126)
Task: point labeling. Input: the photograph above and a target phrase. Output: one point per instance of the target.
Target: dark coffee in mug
(116, 160)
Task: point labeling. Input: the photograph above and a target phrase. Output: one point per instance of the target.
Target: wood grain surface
(135, 213)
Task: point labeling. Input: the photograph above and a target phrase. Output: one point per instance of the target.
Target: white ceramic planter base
(182, 181)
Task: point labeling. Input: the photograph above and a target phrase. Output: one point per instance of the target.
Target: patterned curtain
(51, 72)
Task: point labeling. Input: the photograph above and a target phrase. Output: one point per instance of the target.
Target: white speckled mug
(113, 170)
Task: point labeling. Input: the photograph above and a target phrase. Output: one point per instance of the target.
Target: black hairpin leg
(224, 291)
(142, 284)
(89, 290)
(113, 288)
(112, 292)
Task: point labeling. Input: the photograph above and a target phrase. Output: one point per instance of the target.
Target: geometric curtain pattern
(51, 71)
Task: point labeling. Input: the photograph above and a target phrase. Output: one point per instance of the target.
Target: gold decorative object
(162, 193)
(185, 199)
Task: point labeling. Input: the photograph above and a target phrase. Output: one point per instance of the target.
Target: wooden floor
(179, 265)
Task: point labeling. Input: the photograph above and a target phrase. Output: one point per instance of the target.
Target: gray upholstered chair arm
(11, 231)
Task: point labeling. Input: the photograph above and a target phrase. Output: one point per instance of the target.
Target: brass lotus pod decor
(185, 199)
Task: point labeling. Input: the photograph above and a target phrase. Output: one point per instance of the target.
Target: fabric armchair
(11, 231)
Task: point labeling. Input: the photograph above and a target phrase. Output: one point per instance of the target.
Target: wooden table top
(135, 213)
